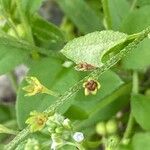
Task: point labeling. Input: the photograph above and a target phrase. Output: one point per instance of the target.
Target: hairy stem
(68, 94)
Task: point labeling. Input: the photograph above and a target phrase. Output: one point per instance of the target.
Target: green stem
(20, 136)
(49, 92)
(68, 94)
(79, 146)
(130, 124)
(107, 16)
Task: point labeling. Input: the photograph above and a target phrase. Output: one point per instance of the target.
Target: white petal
(78, 136)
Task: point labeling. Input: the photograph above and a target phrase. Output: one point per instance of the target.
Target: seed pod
(111, 126)
(101, 128)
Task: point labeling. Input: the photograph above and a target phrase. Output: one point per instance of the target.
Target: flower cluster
(60, 128)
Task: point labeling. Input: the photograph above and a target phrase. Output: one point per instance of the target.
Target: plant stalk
(130, 124)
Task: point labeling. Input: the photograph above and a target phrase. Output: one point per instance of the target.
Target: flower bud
(67, 124)
(32, 144)
(112, 142)
(111, 126)
(51, 130)
(101, 128)
(78, 137)
(51, 124)
(59, 130)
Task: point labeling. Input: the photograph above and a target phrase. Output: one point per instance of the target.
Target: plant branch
(96, 74)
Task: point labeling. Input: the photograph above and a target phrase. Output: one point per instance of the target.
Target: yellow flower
(37, 121)
(36, 87)
(91, 86)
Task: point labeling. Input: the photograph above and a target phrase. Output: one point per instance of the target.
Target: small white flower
(78, 137)
(66, 123)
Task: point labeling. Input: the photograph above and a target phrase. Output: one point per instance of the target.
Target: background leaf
(119, 10)
(143, 2)
(139, 57)
(91, 47)
(12, 54)
(140, 106)
(140, 141)
(46, 34)
(30, 6)
(81, 15)
(137, 20)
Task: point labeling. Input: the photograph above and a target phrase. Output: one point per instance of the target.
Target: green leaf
(81, 15)
(143, 2)
(76, 113)
(138, 59)
(141, 141)
(7, 113)
(51, 74)
(140, 106)
(92, 47)
(12, 54)
(47, 34)
(119, 9)
(30, 6)
(137, 20)
(96, 6)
